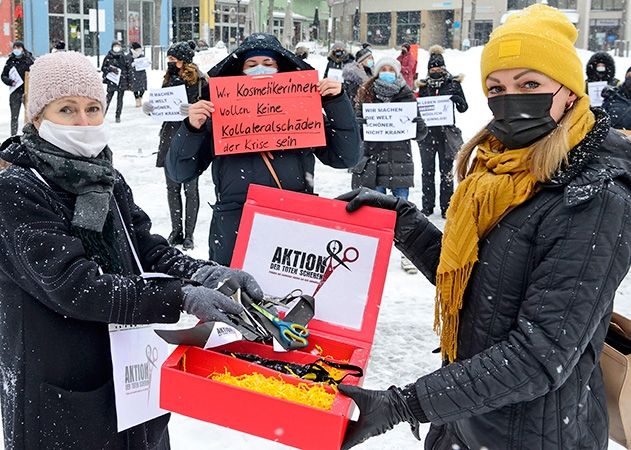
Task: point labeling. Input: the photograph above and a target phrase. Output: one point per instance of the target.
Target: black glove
(209, 305)
(112, 69)
(379, 411)
(417, 119)
(458, 100)
(210, 276)
(361, 121)
(409, 218)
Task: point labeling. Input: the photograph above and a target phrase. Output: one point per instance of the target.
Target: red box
(185, 388)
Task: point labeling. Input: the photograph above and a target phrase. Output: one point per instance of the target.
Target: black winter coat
(393, 160)
(137, 78)
(194, 93)
(22, 64)
(335, 62)
(451, 135)
(536, 311)
(55, 307)
(617, 103)
(192, 152)
(609, 75)
(122, 62)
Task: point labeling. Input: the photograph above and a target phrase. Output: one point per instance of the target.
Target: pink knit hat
(62, 74)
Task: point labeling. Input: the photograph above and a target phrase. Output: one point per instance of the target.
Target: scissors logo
(152, 357)
(335, 248)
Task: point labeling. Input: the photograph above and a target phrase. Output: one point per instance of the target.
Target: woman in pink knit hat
(74, 257)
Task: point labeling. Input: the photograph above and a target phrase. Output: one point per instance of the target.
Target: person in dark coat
(617, 103)
(408, 65)
(181, 71)
(442, 140)
(338, 58)
(116, 62)
(192, 148)
(601, 67)
(72, 256)
(21, 60)
(137, 78)
(358, 72)
(58, 46)
(537, 240)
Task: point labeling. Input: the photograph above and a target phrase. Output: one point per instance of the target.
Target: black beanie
(362, 54)
(436, 57)
(135, 45)
(181, 51)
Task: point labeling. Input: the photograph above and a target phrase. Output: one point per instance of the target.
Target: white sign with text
(15, 78)
(436, 111)
(389, 121)
(595, 89)
(166, 103)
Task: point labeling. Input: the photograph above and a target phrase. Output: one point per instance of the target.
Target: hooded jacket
(609, 75)
(337, 62)
(192, 151)
(536, 311)
(54, 340)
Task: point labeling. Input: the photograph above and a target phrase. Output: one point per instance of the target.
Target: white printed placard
(222, 334)
(166, 103)
(436, 111)
(142, 63)
(595, 89)
(137, 355)
(335, 74)
(389, 121)
(16, 79)
(332, 265)
(114, 76)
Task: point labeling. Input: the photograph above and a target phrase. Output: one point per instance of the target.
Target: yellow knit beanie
(540, 38)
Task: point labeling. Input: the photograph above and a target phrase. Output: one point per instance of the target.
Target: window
(563, 4)
(56, 28)
(56, 7)
(481, 31)
(608, 5)
(379, 28)
(73, 6)
(519, 4)
(408, 26)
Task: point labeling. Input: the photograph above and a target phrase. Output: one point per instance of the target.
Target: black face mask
(172, 68)
(521, 119)
(436, 75)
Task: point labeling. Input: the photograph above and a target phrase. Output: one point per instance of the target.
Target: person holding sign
(537, 240)
(77, 254)
(444, 140)
(601, 67)
(116, 69)
(194, 147)
(138, 73)
(14, 76)
(180, 71)
(337, 59)
(618, 103)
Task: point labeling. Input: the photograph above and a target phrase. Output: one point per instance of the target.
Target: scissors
(291, 333)
(152, 355)
(334, 248)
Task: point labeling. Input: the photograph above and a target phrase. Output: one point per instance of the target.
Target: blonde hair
(547, 155)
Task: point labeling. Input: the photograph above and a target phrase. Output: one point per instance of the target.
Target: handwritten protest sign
(16, 79)
(389, 121)
(267, 112)
(166, 103)
(436, 111)
(595, 89)
(141, 64)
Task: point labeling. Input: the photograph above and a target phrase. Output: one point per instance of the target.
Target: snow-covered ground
(404, 337)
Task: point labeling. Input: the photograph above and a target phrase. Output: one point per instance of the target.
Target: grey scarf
(90, 179)
(385, 91)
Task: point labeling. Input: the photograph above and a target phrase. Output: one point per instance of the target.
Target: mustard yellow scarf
(500, 181)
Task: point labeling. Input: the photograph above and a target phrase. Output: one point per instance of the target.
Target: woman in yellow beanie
(537, 240)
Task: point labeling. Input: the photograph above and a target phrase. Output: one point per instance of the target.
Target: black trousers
(174, 197)
(433, 144)
(119, 101)
(15, 103)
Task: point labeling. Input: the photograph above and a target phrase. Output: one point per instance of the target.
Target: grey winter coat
(55, 307)
(536, 311)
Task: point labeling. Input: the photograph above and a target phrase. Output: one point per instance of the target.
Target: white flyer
(137, 355)
(389, 121)
(141, 64)
(16, 78)
(595, 88)
(114, 77)
(335, 74)
(166, 103)
(437, 110)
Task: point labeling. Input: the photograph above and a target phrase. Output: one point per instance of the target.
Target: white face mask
(136, 52)
(600, 68)
(86, 141)
(260, 70)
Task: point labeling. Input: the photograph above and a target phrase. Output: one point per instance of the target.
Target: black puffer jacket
(609, 75)
(337, 62)
(55, 307)
(121, 61)
(617, 103)
(22, 64)
(192, 151)
(137, 78)
(394, 163)
(536, 311)
(194, 93)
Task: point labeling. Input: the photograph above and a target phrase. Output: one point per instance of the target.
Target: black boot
(188, 244)
(176, 237)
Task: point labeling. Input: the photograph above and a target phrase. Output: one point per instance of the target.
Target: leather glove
(379, 411)
(184, 107)
(409, 218)
(147, 108)
(210, 276)
(209, 305)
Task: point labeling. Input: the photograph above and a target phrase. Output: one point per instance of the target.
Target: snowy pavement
(404, 337)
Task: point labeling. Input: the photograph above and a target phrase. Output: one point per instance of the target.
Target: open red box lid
(289, 240)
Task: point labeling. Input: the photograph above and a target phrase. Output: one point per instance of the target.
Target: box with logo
(290, 241)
